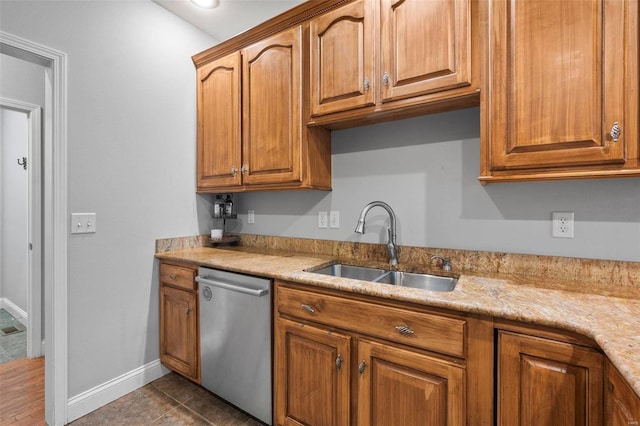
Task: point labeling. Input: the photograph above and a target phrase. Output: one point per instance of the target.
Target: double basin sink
(404, 279)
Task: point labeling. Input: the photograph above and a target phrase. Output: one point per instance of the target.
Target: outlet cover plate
(562, 224)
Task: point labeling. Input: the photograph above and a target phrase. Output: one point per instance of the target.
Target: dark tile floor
(12, 346)
(171, 400)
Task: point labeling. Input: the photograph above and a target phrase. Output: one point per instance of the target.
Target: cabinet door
(557, 83)
(342, 58)
(179, 331)
(546, 382)
(622, 403)
(312, 375)
(272, 99)
(404, 388)
(425, 45)
(218, 93)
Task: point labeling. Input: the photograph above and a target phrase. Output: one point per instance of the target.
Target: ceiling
(231, 17)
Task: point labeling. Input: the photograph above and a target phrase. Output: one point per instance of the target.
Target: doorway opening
(20, 230)
(54, 223)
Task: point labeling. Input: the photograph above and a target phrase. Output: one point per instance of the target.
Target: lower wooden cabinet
(547, 382)
(179, 348)
(622, 405)
(329, 374)
(402, 387)
(312, 372)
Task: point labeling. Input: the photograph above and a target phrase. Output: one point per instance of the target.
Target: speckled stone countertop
(611, 321)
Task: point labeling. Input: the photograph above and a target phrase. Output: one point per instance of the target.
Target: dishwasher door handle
(227, 286)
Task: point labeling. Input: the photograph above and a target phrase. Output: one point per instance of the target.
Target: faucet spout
(391, 243)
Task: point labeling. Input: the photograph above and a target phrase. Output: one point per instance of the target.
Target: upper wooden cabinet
(372, 52)
(342, 58)
(218, 141)
(425, 46)
(561, 96)
(272, 117)
(257, 141)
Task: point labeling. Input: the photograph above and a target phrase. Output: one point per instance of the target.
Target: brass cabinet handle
(339, 361)
(616, 131)
(403, 329)
(308, 308)
(362, 366)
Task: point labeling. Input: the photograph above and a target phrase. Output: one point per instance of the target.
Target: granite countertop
(612, 322)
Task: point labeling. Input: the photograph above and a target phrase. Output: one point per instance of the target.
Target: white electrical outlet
(83, 223)
(251, 216)
(334, 219)
(562, 224)
(323, 219)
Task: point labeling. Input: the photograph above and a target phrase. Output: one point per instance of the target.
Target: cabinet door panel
(271, 104)
(178, 331)
(219, 142)
(545, 382)
(342, 58)
(312, 373)
(558, 82)
(404, 388)
(426, 46)
(622, 403)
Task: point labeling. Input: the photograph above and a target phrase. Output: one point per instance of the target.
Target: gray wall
(426, 168)
(13, 208)
(131, 159)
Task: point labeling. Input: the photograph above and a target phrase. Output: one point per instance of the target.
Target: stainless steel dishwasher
(235, 339)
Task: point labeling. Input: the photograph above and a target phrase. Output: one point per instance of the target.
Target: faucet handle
(446, 263)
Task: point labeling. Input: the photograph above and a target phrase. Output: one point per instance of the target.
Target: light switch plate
(334, 219)
(83, 223)
(323, 219)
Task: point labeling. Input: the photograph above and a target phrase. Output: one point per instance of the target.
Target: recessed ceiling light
(206, 4)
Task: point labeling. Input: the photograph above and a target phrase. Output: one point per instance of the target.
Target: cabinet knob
(234, 171)
(362, 366)
(403, 329)
(308, 308)
(244, 169)
(366, 83)
(385, 79)
(173, 277)
(188, 310)
(616, 131)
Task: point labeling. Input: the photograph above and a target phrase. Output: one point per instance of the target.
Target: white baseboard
(14, 310)
(107, 392)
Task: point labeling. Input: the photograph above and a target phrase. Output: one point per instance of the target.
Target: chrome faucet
(391, 243)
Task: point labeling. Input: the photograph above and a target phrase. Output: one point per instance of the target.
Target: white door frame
(55, 224)
(34, 233)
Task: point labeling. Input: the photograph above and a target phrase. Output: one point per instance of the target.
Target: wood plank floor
(22, 392)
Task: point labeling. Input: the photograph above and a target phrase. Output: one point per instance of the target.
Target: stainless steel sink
(404, 279)
(350, 271)
(423, 281)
